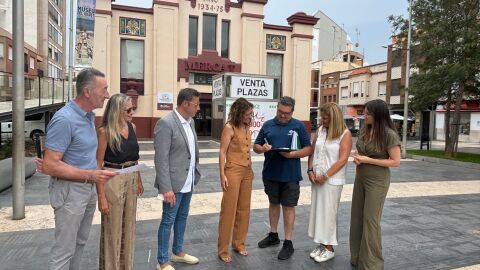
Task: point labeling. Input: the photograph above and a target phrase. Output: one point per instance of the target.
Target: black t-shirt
(129, 149)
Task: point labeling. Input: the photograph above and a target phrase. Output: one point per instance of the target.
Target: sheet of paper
(134, 168)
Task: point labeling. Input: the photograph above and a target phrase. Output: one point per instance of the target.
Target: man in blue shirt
(70, 158)
(281, 170)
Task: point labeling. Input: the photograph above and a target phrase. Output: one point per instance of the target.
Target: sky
(368, 16)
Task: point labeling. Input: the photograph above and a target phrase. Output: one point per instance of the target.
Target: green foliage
(6, 149)
(466, 157)
(445, 48)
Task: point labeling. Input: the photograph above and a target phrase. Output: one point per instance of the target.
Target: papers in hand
(282, 149)
(295, 142)
(135, 168)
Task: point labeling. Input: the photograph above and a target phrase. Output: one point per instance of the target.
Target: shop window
(225, 38)
(192, 35)
(2, 48)
(464, 127)
(275, 65)
(209, 32)
(395, 87)
(382, 89)
(10, 53)
(132, 65)
(200, 78)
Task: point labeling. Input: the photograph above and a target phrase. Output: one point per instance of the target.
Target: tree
(446, 53)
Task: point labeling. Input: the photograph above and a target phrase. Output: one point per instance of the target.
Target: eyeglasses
(284, 113)
(130, 110)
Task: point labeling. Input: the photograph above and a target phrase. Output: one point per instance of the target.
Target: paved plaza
(431, 220)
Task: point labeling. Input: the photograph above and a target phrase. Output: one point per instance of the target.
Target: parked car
(34, 124)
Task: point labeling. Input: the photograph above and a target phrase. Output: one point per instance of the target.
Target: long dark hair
(377, 131)
(238, 109)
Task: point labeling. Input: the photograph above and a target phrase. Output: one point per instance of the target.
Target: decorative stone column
(302, 37)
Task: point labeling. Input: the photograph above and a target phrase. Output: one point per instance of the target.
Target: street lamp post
(18, 108)
(407, 81)
(70, 53)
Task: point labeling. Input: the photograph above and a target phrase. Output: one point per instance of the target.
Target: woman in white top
(327, 172)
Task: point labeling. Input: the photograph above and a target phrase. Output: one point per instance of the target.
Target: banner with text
(251, 88)
(85, 33)
(217, 88)
(262, 112)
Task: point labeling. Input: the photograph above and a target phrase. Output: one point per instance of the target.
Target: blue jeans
(176, 216)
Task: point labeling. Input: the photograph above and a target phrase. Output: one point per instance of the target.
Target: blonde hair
(337, 125)
(111, 120)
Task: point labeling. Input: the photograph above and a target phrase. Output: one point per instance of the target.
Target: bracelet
(309, 170)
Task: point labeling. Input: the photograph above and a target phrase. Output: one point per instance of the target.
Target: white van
(34, 124)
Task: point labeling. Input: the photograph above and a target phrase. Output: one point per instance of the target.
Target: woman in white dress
(327, 172)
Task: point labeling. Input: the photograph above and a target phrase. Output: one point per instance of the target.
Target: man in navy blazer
(176, 166)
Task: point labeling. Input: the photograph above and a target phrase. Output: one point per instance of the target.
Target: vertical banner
(84, 33)
(262, 111)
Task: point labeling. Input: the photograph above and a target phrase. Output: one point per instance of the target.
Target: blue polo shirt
(72, 132)
(276, 167)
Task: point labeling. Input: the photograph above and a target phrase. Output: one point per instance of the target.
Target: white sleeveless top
(327, 152)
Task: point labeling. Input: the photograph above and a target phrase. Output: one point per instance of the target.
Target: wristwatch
(309, 170)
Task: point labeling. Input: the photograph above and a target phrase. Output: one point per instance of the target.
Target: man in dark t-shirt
(283, 140)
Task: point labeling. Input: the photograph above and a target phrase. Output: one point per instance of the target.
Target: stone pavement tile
(404, 247)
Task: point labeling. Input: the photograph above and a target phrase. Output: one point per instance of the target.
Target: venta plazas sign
(251, 87)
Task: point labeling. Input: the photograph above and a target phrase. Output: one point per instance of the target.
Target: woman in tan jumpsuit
(236, 177)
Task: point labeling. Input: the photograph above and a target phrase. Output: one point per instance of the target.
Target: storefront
(152, 53)
(469, 125)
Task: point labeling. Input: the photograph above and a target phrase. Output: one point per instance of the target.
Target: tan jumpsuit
(235, 209)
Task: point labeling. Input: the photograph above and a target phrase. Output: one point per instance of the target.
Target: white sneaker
(325, 256)
(317, 251)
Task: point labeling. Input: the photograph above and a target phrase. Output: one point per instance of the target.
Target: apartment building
(44, 33)
(357, 86)
(52, 37)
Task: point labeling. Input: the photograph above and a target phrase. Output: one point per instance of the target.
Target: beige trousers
(117, 238)
(235, 209)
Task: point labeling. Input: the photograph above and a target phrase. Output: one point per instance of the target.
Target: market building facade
(152, 53)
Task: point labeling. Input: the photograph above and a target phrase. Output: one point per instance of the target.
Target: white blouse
(327, 152)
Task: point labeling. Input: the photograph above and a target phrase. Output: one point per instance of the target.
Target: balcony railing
(38, 92)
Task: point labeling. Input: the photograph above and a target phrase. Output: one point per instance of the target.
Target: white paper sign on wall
(217, 88)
